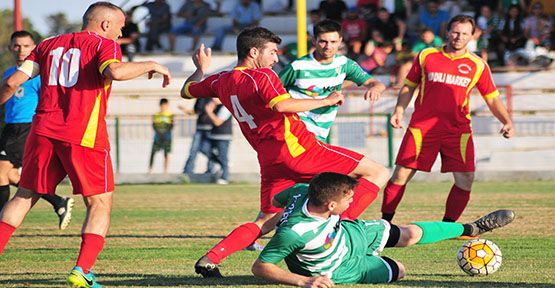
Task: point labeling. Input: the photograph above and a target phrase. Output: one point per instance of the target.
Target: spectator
(507, 4)
(537, 27)
(195, 13)
(129, 40)
(367, 8)
(376, 57)
(427, 39)
(159, 22)
(333, 9)
(162, 122)
(354, 31)
(511, 35)
(386, 28)
(434, 18)
(398, 9)
(488, 21)
(220, 137)
(200, 140)
(477, 45)
(246, 14)
(315, 17)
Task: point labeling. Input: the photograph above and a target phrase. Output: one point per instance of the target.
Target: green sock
(437, 231)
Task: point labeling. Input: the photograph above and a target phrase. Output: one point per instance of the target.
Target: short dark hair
(254, 37)
(163, 101)
(87, 15)
(21, 34)
(328, 186)
(326, 26)
(461, 18)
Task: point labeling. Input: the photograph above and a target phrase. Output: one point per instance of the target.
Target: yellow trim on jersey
(421, 59)
(465, 55)
(480, 66)
(92, 126)
(186, 90)
(410, 83)
(292, 142)
(417, 136)
(491, 95)
(105, 64)
(277, 99)
(30, 68)
(464, 144)
(240, 68)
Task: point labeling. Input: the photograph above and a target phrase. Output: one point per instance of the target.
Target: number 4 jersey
(74, 92)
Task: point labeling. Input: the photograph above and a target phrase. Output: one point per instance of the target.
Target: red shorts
(47, 162)
(419, 151)
(275, 177)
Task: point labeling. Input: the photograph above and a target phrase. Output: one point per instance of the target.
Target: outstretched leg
(14, 212)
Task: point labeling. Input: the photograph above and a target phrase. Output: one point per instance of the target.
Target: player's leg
(5, 168)
(14, 212)
(381, 269)
(63, 207)
(459, 196)
(394, 190)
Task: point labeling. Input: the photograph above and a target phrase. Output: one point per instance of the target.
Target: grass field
(159, 231)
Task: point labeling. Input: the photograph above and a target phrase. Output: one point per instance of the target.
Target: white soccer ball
(479, 257)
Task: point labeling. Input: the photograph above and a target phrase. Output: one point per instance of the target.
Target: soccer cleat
(255, 246)
(207, 268)
(64, 212)
(493, 220)
(78, 279)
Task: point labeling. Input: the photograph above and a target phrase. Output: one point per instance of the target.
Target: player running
(441, 119)
(69, 134)
(320, 249)
(287, 152)
(18, 114)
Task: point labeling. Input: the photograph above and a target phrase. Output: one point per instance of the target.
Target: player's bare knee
(410, 235)
(396, 268)
(402, 271)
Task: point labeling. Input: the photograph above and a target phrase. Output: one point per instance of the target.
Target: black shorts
(12, 142)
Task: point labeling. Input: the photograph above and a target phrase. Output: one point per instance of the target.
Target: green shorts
(368, 239)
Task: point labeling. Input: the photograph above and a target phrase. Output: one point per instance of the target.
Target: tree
(59, 24)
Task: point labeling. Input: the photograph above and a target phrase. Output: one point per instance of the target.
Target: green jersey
(307, 78)
(311, 245)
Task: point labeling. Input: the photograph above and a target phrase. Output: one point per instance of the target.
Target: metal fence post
(117, 145)
(389, 141)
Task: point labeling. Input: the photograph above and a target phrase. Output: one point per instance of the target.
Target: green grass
(159, 231)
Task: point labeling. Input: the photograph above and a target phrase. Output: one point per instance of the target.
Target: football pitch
(159, 231)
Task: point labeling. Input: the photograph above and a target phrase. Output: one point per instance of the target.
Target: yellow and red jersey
(443, 102)
(74, 92)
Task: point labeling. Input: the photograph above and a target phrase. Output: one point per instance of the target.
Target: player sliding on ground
(287, 152)
(320, 249)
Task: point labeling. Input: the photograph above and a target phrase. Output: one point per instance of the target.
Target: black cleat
(207, 268)
(493, 220)
(64, 212)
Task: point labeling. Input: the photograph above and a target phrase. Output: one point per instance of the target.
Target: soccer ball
(479, 257)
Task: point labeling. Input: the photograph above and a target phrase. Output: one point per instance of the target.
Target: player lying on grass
(320, 249)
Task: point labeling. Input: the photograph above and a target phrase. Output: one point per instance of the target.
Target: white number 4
(240, 113)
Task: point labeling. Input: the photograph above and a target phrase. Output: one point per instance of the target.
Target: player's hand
(162, 70)
(210, 106)
(318, 282)
(335, 98)
(507, 131)
(397, 120)
(202, 58)
(373, 94)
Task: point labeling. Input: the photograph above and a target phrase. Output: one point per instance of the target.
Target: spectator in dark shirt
(333, 9)
(246, 14)
(512, 34)
(129, 39)
(159, 22)
(195, 13)
(384, 28)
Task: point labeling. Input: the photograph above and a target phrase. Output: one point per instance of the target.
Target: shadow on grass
(125, 280)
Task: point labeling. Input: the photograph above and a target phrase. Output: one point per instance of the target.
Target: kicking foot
(207, 268)
(64, 212)
(491, 221)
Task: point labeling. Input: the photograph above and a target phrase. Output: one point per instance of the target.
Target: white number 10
(241, 114)
(69, 64)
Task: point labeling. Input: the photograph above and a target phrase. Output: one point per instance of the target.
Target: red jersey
(74, 93)
(354, 29)
(250, 94)
(443, 100)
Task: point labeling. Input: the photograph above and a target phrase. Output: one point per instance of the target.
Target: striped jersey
(443, 101)
(307, 78)
(311, 245)
(250, 95)
(74, 93)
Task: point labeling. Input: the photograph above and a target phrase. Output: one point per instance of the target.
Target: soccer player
(320, 249)
(69, 134)
(18, 114)
(317, 75)
(162, 123)
(287, 152)
(441, 119)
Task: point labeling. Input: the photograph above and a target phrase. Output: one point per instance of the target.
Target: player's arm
(291, 105)
(217, 119)
(375, 89)
(201, 58)
(274, 273)
(120, 71)
(403, 100)
(10, 85)
(500, 112)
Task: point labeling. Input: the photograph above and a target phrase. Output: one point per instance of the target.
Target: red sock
(456, 202)
(6, 231)
(238, 239)
(91, 245)
(392, 195)
(365, 193)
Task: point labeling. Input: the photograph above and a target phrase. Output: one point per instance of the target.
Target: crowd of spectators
(383, 35)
